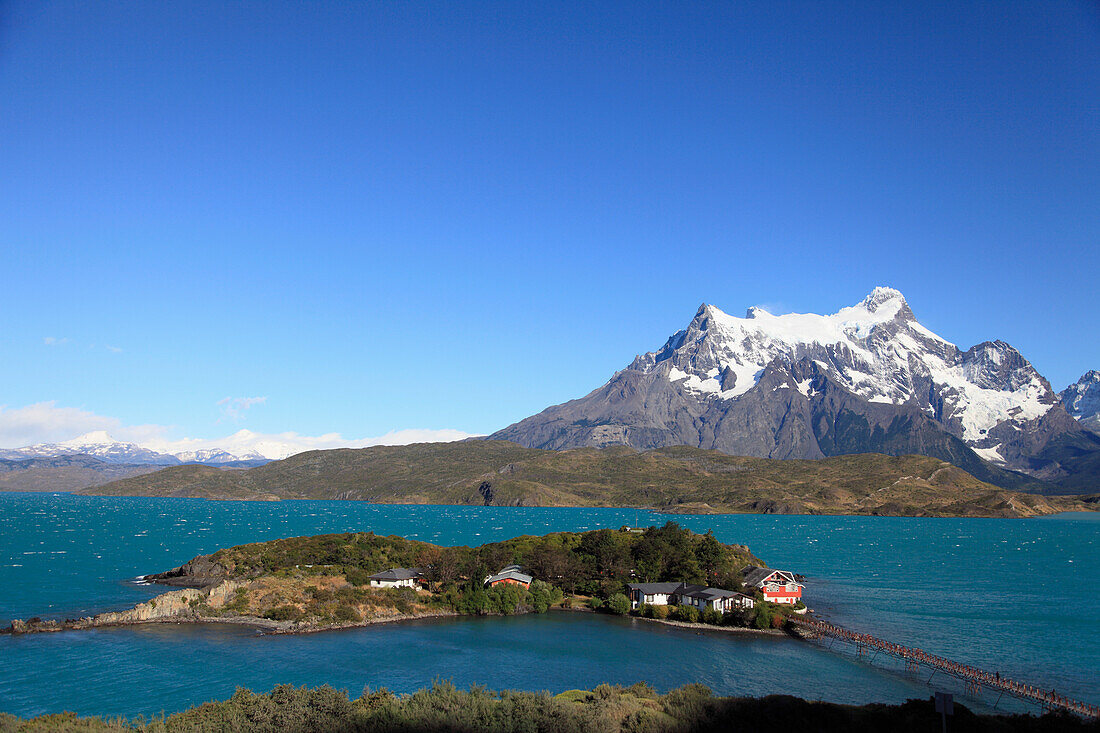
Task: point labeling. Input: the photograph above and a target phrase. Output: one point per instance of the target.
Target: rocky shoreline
(180, 606)
(712, 627)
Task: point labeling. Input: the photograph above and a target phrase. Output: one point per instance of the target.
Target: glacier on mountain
(868, 378)
(876, 349)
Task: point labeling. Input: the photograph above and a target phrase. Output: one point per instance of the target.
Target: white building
(397, 578)
(682, 594)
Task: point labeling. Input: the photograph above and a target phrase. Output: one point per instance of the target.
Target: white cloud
(233, 408)
(45, 422)
(113, 349)
(54, 341)
(281, 445)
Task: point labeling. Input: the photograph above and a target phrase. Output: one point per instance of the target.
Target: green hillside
(677, 479)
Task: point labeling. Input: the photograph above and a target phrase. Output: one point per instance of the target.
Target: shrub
(610, 587)
(402, 599)
(711, 616)
(284, 613)
(469, 602)
(688, 702)
(346, 613)
(320, 594)
(505, 598)
(358, 576)
(605, 692)
(618, 604)
(762, 617)
(649, 610)
(239, 602)
(595, 603)
(734, 618)
(687, 614)
(643, 690)
(541, 595)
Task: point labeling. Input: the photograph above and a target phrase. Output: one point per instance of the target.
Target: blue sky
(381, 216)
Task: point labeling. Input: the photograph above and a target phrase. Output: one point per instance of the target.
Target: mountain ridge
(1082, 400)
(869, 378)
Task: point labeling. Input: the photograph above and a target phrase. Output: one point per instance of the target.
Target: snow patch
(875, 349)
(993, 455)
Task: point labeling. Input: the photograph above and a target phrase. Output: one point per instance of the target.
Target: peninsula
(306, 584)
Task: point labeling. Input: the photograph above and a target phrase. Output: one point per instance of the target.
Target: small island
(308, 584)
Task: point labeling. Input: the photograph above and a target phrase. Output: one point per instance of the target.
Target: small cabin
(653, 594)
(397, 578)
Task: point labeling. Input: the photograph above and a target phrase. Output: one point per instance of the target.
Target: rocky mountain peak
(868, 377)
(881, 296)
(753, 311)
(1082, 399)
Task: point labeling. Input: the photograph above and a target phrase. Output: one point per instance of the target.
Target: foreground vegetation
(287, 709)
(677, 479)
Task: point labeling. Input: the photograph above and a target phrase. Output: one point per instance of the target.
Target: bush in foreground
(637, 708)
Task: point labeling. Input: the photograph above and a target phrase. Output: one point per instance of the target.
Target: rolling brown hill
(676, 479)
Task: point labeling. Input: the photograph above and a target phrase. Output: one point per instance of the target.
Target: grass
(676, 479)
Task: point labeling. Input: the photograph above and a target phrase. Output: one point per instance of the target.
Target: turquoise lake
(1015, 596)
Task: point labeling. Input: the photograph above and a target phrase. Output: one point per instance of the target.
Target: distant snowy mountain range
(101, 445)
(868, 378)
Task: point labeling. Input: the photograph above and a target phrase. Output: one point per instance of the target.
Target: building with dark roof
(685, 594)
(397, 578)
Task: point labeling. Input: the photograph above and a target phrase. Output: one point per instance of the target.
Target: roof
(711, 594)
(509, 575)
(398, 574)
(755, 576)
(683, 589)
(517, 568)
(651, 588)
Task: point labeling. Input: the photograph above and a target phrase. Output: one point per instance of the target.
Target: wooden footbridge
(974, 679)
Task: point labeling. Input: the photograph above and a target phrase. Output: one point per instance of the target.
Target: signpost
(945, 705)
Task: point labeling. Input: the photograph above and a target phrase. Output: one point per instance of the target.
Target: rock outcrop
(178, 605)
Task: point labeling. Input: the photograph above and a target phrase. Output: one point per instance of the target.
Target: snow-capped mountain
(101, 445)
(1082, 399)
(868, 378)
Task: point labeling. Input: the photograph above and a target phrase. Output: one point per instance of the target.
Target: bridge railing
(972, 675)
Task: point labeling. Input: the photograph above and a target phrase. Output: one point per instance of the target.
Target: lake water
(1015, 596)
